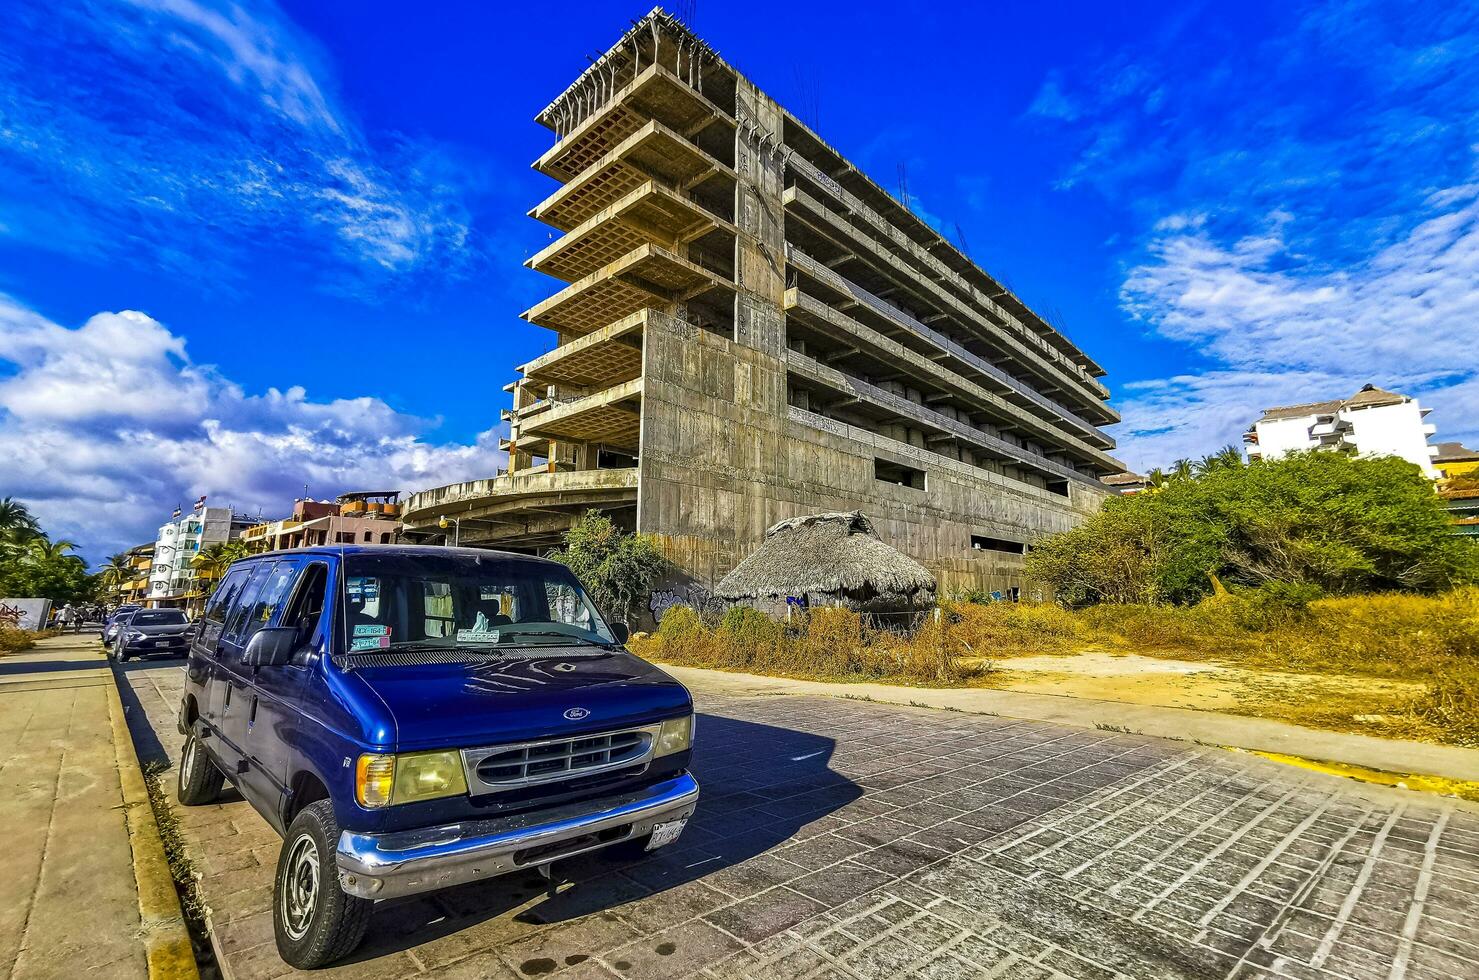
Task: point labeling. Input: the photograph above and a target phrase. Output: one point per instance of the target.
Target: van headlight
(383, 780)
(675, 735)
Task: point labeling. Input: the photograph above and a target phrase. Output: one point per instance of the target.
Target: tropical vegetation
(1295, 527)
(32, 565)
(617, 567)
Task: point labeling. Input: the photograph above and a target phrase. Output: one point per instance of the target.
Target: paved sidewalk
(69, 904)
(1187, 724)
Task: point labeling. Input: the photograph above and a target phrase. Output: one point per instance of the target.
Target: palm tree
(1182, 469)
(42, 550)
(1228, 457)
(116, 569)
(212, 561)
(16, 518)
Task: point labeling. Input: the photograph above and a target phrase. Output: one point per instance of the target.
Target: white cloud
(1284, 329)
(106, 427)
(1307, 211)
(192, 133)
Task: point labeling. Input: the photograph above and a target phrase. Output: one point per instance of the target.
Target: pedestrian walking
(69, 617)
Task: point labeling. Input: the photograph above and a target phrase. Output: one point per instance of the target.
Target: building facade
(750, 329)
(1372, 422)
(133, 588)
(1454, 459)
(370, 517)
(173, 576)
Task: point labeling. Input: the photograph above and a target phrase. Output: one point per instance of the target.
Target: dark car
(110, 625)
(410, 719)
(152, 633)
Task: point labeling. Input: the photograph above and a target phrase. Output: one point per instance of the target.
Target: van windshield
(400, 601)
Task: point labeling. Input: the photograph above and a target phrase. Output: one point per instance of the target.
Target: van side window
(236, 619)
(215, 611)
(308, 602)
(269, 598)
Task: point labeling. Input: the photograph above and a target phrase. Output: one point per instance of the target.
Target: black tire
(199, 780)
(315, 922)
(121, 654)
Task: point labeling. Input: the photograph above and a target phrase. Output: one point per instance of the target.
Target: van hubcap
(300, 887)
(187, 764)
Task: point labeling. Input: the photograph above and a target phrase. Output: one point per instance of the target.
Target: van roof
(396, 549)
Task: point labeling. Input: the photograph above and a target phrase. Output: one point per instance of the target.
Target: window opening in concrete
(904, 476)
(980, 542)
(611, 459)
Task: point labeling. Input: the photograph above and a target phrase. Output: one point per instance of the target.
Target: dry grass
(1430, 642)
(14, 640)
(827, 644)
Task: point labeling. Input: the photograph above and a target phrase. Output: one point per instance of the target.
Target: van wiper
(574, 640)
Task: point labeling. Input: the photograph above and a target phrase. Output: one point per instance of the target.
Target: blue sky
(248, 246)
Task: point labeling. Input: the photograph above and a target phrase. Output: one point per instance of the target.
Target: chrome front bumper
(408, 862)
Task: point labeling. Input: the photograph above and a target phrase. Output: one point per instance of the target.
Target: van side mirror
(621, 632)
(271, 647)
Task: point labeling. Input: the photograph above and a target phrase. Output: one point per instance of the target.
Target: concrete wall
(718, 467)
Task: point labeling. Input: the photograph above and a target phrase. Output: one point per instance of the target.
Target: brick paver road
(851, 839)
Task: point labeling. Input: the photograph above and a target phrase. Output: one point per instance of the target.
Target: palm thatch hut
(829, 560)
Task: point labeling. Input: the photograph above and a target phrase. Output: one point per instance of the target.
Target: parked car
(410, 719)
(110, 625)
(152, 633)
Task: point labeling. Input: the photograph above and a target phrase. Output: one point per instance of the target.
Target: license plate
(665, 833)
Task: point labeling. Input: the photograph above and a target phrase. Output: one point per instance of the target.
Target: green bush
(617, 567)
(1325, 520)
(748, 635)
(1274, 604)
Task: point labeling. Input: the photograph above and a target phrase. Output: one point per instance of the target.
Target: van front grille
(505, 767)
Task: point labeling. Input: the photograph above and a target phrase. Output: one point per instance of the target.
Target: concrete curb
(166, 938)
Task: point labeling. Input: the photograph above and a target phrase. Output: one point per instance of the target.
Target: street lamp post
(456, 524)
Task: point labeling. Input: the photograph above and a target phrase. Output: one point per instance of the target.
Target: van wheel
(199, 779)
(315, 921)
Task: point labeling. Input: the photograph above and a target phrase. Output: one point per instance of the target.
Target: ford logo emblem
(576, 714)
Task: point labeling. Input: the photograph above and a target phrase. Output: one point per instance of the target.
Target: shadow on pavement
(11, 667)
(761, 784)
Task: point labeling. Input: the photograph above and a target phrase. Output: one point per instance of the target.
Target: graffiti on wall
(694, 596)
(25, 614)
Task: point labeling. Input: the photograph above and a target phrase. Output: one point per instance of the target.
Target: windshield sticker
(370, 629)
(361, 587)
(482, 632)
(369, 643)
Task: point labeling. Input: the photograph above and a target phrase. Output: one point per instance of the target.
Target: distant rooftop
(1368, 397)
(1455, 452)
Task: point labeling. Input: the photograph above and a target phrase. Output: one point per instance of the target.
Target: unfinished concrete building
(751, 330)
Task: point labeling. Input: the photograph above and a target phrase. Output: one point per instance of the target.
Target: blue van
(413, 718)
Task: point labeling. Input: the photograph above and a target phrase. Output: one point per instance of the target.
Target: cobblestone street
(851, 839)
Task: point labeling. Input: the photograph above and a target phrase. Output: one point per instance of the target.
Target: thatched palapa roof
(830, 559)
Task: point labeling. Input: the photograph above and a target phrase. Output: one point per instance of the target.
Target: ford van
(413, 718)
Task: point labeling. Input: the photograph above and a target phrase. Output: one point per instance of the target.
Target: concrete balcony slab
(649, 214)
(654, 94)
(612, 416)
(600, 359)
(648, 276)
(653, 152)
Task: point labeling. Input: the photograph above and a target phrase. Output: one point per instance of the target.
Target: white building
(1372, 422)
(173, 576)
